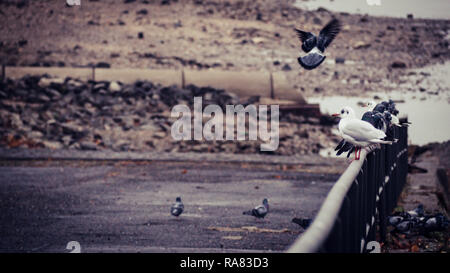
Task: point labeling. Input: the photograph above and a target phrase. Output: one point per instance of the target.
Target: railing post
(346, 219)
(3, 73)
(354, 212)
(382, 196)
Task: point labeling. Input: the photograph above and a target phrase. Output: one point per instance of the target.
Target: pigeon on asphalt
(314, 46)
(259, 211)
(303, 222)
(177, 207)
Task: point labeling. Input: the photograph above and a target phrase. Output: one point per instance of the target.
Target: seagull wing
(361, 130)
(328, 33)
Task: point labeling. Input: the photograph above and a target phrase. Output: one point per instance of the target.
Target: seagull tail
(384, 141)
(339, 146)
(390, 138)
(405, 124)
(248, 212)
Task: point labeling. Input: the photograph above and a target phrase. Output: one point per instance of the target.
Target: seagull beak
(335, 115)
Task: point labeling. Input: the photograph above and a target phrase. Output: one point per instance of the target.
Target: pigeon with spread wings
(314, 46)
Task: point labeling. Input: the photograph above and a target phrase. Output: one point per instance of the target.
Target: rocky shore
(67, 113)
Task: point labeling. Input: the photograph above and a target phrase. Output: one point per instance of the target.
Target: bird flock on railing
(374, 128)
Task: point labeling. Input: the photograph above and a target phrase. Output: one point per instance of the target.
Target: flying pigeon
(315, 46)
(259, 211)
(177, 207)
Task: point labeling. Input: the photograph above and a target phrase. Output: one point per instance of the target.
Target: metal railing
(359, 202)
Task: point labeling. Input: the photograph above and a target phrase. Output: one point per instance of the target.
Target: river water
(428, 111)
(431, 9)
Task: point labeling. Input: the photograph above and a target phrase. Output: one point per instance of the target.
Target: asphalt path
(123, 205)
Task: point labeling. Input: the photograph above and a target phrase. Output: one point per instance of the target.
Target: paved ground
(422, 188)
(123, 206)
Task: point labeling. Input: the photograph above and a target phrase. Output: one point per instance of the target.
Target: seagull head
(178, 199)
(346, 112)
(370, 104)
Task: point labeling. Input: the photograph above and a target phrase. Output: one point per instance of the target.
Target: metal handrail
(316, 234)
(362, 198)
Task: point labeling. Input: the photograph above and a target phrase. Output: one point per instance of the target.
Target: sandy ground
(225, 35)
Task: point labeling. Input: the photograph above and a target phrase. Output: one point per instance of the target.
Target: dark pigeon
(177, 208)
(259, 211)
(315, 46)
(418, 222)
(417, 212)
(303, 222)
(437, 222)
(405, 227)
(380, 108)
(395, 220)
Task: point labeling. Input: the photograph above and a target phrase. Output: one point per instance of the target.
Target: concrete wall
(242, 83)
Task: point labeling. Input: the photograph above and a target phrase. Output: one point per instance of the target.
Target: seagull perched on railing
(358, 132)
(315, 46)
(382, 116)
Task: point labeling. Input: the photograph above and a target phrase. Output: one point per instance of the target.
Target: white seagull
(358, 132)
